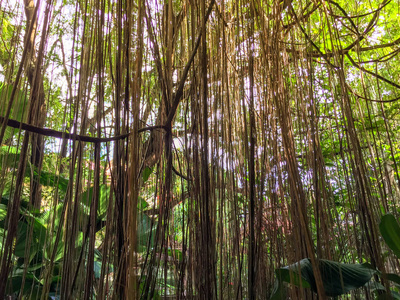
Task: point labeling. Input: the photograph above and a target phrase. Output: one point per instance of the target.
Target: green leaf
(387, 296)
(97, 269)
(98, 264)
(289, 274)
(9, 157)
(146, 173)
(142, 204)
(48, 178)
(3, 211)
(9, 150)
(2, 237)
(392, 277)
(19, 107)
(337, 278)
(104, 193)
(175, 253)
(390, 231)
(48, 251)
(146, 229)
(381, 291)
(32, 286)
(279, 292)
(375, 286)
(37, 240)
(54, 212)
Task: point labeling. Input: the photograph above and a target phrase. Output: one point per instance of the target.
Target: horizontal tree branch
(394, 43)
(344, 51)
(373, 100)
(372, 73)
(71, 136)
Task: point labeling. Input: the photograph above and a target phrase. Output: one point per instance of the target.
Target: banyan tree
(199, 149)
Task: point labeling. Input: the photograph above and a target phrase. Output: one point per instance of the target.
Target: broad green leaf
(288, 274)
(390, 231)
(337, 278)
(32, 285)
(19, 107)
(97, 269)
(3, 211)
(279, 291)
(9, 158)
(38, 237)
(146, 229)
(142, 204)
(146, 173)
(392, 277)
(48, 251)
(375, 286)
(2, 237)
(387, 296)
(175, 253)
(381, 291)
(49, 179)
(104, 193)
(54, 212)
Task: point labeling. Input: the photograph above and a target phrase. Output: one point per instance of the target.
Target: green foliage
(155, 296)
(9, 158)
(30, 253)
(48, 178)
(318, 85)
(175, 253)
(338, 278)
(7, 32)
(390, 231)
(18, 109)
(34, 227)
(146, 232)
(146, 173)
(33, 250)
(104, 193)
(3, 211)
(36, 237)
(142, 204)
(382, 293)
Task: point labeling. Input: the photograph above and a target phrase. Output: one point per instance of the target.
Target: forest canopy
(199, 149)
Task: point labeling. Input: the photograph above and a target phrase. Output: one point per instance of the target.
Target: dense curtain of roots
(243, 136)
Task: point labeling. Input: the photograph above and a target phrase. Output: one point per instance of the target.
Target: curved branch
(303, 17)
(372, 100)
(343, 51)
(363, 15)
(372, 73)
(324, 56)
(396, 42)
(370, 26)
(179, 91)
(180, 174)
(71, 136)
(345, 15)
(360, 37)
